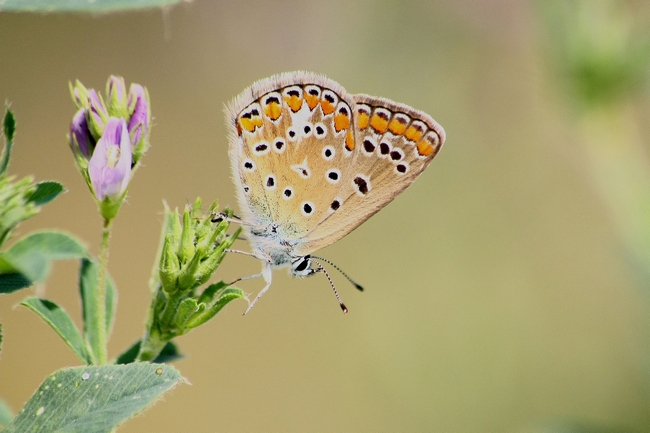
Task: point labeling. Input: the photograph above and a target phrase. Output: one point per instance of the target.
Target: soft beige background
(498, 297)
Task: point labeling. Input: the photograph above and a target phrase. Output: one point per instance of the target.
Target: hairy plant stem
(100, 318)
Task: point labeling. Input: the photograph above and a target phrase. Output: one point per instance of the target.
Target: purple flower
(110, 166)
(140, 116)
(81, 141)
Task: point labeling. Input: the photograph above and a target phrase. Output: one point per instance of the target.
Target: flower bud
(81, 141)
(139, 121)
(79, 94)
(110, 165)
(116, 91)
(97, 114)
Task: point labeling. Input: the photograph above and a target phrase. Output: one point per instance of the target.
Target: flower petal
(110, 166)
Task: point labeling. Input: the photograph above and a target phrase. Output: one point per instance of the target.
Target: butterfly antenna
(358, 286)
(341, 304)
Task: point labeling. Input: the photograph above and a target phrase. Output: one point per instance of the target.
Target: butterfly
(311, 162)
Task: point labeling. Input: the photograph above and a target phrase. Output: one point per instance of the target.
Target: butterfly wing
(310, 162)
(393, 144)
(287, 147)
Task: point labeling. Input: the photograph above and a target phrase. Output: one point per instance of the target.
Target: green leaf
(93, 399)
(31, 258)
(88, 288)
(167, 355)
(9, 130)
(209, 293)
(5, 414)
(11, 282)
(62, 324)
(225, 297)
(46, 192)
(187, 308)
(81, 5)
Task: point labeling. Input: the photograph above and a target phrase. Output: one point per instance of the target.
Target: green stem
(100, 318)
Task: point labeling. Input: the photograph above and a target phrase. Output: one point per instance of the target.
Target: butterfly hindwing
(393, 144)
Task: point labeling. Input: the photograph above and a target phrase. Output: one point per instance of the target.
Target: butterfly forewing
(289, 150)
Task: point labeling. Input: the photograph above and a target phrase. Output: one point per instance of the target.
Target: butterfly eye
(328, 153)
(307, 208)
(333, 176)
(287, 193)
(249, 165)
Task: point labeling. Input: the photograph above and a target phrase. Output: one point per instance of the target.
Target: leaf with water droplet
(93, 399)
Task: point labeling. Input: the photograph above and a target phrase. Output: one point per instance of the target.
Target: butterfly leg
(267, 274)
(246, 253)
(250, 277)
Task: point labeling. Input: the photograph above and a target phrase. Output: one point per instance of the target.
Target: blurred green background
(504, 289)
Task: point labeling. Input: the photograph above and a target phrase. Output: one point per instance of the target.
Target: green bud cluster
(193, 246)
(17, 204)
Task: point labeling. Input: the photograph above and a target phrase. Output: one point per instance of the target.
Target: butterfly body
(311, 162)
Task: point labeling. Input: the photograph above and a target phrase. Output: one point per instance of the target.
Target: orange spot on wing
(273, 110)
(312, 100)
(247, 124)
(413, 133)
(379, 124)
(341, 122)
(239, 131)
(425, 148)
(327, 106)
(257, 121)
(349, 141)
(294, 102)
(396, 127)
(364, 120)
